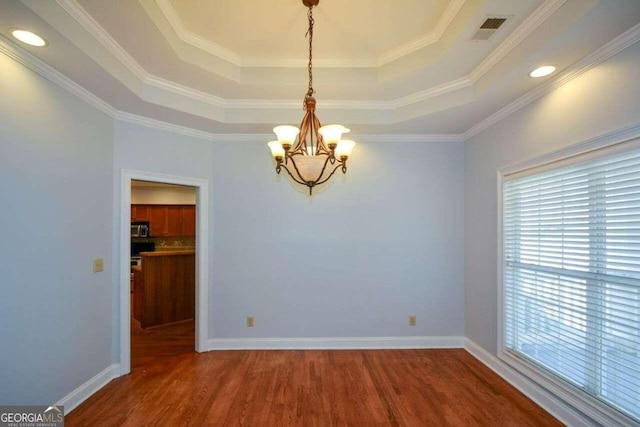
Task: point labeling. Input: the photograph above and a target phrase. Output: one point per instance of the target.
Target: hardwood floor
(170, 385)
(156, 345)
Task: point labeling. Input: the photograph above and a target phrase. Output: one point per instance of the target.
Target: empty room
(320, 212)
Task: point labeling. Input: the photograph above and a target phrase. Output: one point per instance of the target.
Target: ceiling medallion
(312, 153)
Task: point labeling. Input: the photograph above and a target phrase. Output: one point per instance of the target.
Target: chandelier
(312, 153)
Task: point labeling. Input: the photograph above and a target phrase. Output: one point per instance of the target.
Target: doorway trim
(202, 258)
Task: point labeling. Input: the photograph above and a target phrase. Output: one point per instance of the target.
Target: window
(571, 276)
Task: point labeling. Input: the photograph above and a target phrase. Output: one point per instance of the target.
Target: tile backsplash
(175, 243)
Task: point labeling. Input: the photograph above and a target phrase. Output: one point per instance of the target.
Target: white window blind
(571, 276)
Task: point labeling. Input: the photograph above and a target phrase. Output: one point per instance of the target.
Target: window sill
(594, 409)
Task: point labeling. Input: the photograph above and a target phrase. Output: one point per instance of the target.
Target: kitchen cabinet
(157, 220)
(174, 221)
(167, 220)
(139, 212)
(189, 220)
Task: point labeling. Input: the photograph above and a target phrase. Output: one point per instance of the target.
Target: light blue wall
(383, 242)
(56, 217)
(604, 99)
(356, 260)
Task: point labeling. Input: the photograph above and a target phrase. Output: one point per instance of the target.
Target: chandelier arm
(326, 162)
(344, 169)
(317, 181)
(340, 164)
(321, 148)
(302, 136)
(293, 176)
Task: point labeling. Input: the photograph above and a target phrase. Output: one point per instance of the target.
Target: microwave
(139, 229)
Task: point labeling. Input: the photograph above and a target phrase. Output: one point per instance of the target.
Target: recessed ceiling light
(28, 37)
(543, 71)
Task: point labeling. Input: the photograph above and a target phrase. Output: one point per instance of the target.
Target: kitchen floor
(160, 345)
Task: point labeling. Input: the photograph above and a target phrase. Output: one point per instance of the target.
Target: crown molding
(616, 136)
(530, 24)
(25, 58)
(173, 87)
(428, 39)
(537, 18)
(160, 125)
(433, 92)
(595, 58)
(411, 138)
(30, 61)
(194, 40)
(87, 22)
(259, 104)
(230, 56)
(33, 63)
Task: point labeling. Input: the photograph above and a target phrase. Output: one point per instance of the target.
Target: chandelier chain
(310, 91)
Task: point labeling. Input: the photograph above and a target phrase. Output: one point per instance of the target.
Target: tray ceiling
(380, 66)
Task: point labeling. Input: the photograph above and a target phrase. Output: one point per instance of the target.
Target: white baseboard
(82, 393)
(551, 403)
(356, 343)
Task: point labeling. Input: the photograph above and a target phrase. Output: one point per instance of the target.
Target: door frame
(202, 258)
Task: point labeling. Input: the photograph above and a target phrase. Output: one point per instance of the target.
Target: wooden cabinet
(157, 220)
(174, 221)
(167, 220)
(189, 220)
(165, 290)
(139, 212)
(137, 293)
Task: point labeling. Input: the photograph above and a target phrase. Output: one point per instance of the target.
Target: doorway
(129, 177)
(163, 234)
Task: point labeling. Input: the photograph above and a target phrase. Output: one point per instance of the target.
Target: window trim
(614, 142)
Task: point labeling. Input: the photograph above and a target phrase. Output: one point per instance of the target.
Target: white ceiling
(380, 66)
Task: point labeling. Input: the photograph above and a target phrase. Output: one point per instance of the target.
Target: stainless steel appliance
(139, 229)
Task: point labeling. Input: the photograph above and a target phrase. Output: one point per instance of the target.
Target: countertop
(167, 253)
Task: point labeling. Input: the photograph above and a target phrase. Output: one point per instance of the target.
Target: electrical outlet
(249, 321)
(98, 265)
(412, 320)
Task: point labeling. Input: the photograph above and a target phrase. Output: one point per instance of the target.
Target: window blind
(571, 275)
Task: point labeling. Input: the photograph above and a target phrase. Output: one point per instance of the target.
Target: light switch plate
(98, 265)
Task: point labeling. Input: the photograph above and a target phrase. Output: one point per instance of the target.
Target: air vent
(489, 27)
(493, 23)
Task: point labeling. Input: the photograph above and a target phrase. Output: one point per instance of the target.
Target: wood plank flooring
(170, 385)
(155, 345)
